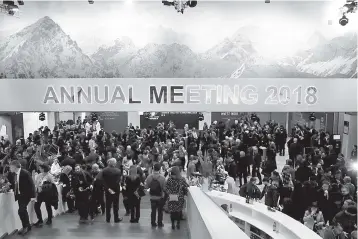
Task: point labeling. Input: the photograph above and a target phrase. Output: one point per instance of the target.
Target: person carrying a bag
(155, 182)
(67, 192)
(44, 189)
(175, 188)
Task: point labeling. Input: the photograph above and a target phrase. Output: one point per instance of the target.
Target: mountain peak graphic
(44, 50)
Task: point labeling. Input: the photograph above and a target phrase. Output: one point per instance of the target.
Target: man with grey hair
(111, 179)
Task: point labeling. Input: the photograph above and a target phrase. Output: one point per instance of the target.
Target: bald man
(111, 177)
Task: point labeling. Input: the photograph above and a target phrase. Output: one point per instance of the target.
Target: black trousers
(256, 172)
(97, 200)
(112, 200)
(83, 204)
(126, 205)
(182, 159)
(176, 217)
(157, 206)
(135, 209)
(70, 204)
(243, 175)
(23, 214)
(281, 148)
(248, 169)
(38, 210)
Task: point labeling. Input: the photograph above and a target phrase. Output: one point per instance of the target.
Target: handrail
(216, 221)
(259, 216)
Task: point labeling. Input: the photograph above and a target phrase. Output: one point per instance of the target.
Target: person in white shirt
(230, 185)
(127, 163)
(195, 135)
(88, 127)
(56, 168)
(40, 179)
(96, 126)
(92, 143)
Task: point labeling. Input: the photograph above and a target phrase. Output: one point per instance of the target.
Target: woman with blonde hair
(175, 188)
(67, 192)
(132, 186)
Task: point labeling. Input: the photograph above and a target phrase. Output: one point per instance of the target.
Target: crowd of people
(317, 186)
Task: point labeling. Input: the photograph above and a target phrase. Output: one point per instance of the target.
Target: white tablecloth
(9, 217)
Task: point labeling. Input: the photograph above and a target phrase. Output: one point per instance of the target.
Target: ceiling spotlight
(267, 1)
(90, 1)
(343, 21)
(192, 3)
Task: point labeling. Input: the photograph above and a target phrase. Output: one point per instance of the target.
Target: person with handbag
(134, 191)
(67, 192)
(43, 185)
(175, 189)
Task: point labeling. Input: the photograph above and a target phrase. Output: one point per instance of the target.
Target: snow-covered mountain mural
(44, 50)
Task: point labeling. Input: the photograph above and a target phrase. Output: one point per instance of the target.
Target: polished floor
(67, 227)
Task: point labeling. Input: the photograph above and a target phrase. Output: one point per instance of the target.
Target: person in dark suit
(111, 179)
(24, 190)
(67, 160)
(242, 167)
(294, 150)
(82, 187)
(256, 164)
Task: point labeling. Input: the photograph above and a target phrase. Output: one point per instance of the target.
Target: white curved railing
(207, 221)
(260, 217)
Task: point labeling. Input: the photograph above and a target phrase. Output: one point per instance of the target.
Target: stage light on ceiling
(343, 21)
(350, 7)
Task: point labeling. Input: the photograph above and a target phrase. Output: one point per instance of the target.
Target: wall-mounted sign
(196, 95)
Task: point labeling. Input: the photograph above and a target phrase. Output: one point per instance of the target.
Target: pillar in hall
(51, 120)
(134, 118)
(32, 122)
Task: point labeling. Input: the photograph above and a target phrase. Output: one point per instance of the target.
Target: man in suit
(111, 179)
(294, 150)
(24, 190)
(256, 158)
